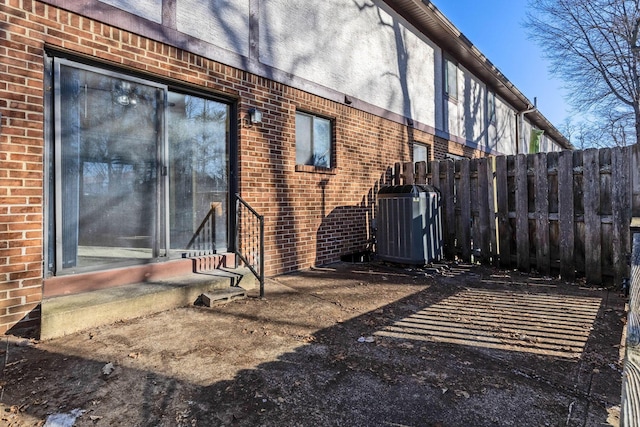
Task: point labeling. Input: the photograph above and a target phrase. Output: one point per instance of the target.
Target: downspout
(520, 125)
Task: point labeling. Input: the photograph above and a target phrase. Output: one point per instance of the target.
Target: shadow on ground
(349, 345)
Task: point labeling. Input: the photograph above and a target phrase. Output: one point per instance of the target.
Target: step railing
(249, 247)
(203, 241)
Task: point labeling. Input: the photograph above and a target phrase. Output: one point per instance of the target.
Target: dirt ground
(362, 344)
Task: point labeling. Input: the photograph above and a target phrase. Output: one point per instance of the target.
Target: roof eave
(431, 22)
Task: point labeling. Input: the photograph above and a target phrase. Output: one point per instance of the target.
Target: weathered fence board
(463, 201)
(635, 180)
(542, 213)
(605, 210)
(448, 199)
(408, 173)
(620, 213)
(397, 174)
(485, 212)
(502, 201)
(491, 216)
(630, 404)
(421, 173)
(522, 213)
(578, 208)
(566, 213)
(554, 218)
(592, 229)
(435, 174)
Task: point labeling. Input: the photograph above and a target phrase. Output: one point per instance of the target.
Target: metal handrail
(253, 238)
(209, 220)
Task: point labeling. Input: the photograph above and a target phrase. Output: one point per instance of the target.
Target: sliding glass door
(199, 161)
(138, 169)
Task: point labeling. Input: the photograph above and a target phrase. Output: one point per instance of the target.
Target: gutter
(520, 125)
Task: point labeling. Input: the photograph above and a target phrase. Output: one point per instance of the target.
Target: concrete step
(66, 314)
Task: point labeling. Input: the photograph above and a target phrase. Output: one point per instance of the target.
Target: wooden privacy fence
(564, 212)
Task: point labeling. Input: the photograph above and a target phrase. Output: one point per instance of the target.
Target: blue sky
(496, 28)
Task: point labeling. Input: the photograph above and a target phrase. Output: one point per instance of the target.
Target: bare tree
(593, 47)
(585, 133)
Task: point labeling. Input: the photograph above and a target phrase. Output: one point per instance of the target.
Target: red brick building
(120, 127)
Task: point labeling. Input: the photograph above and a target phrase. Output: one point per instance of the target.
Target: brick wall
(312, 217)
(21, 170)
(440, 148)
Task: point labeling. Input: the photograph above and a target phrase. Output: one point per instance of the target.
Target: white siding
(503, 132)
(361, 48)
(224, 23)
(148, 9)
(466, 117)
(355, 47)
(472, 109)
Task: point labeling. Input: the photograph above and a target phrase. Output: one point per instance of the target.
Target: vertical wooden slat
(491, 199)
(522, 214)
(578, 210)
(483, 212)
(463, 197)
(620, 210)
(421, 172)
(604, 211)
(630, 402)
(397, 174)
(473, 207)
(408, 173)
(566, 215)
(554, 224)
(449, 216)
(635, 180)
(504, 228)
(435, 174)
(542, 214)
(592, 221)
